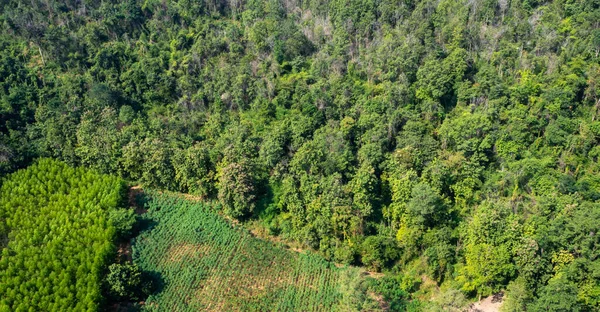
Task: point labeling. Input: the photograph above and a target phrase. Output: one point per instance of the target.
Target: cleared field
(204, 263)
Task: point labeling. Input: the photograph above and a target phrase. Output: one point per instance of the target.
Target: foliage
(490, 236)
(451, 300)
(236, 189)
(391, 289)
(124, 280)
(378, 252)
(348, 121)
(123, 221)
(206, 263)
(55, 219)
(558, 295)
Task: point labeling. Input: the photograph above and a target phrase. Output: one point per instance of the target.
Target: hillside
(451, 145)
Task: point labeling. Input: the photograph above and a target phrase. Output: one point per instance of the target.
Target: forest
(456, 140)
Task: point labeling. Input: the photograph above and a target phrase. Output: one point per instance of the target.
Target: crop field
(204, 263)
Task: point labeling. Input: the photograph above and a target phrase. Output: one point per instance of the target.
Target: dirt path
(133, 192)
(124, 252)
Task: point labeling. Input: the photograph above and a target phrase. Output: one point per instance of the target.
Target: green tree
(125, 281)
(123, 220)
(379, 252)
(236, 189)
(517, 296)
(99, 141)
(559, 295)
(489, 240)
(426, 207)
(149, 162)
(194, 171)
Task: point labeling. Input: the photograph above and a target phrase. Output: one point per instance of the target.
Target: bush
(125, 281)
(123, 220)
(379, 252)
(390, 287)
(236, 189)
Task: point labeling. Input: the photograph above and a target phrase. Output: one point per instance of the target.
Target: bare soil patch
(124, 251)
(489, 304)
(177, 252)
(134, 191)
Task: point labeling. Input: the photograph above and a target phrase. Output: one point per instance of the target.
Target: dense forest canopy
(456, 139)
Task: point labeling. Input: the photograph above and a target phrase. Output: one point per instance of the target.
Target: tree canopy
(457, 139)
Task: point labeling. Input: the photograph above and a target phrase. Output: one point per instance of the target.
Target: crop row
(205, 263)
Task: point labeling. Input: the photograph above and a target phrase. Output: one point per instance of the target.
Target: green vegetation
(202, 262)
(56, 237)
(454, 143)
(125, 281)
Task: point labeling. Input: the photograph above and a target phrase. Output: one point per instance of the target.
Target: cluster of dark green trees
(459, 137)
